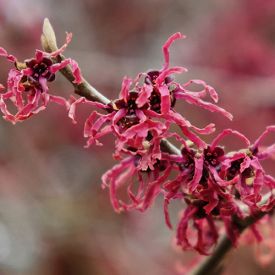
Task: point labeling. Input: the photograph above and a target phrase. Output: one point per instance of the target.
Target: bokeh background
(54, 217)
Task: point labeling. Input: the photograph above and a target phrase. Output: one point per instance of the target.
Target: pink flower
(27, 87)
(206, 201)
(127, 176)
(204, 233)
(161, 97)
(136, 134)
(214, 184)
(248, 178)
(144, 111)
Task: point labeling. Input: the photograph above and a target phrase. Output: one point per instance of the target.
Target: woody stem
(213, 262)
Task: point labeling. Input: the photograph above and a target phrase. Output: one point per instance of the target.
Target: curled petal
(166, 47)
(232, 157)
(154, 189)
(267, 131)
(43, 84)
(227, 132)
(207, 235)
(174, 70)
(166, 213)
(220, 181)
(183, 123)
(245, 164)
(181, 140)
(270, 181)
(206, 231)
(182, 238)
(268, 152)
(144, 95)
(74, 102)
(197, 173)
(207, 89)
(59, 100)
(194, 138)
(62, 49)
(39, 55)
(7, 115)
(75, 69)
(117, 177)
(205, 105)
(76, 72)
(116, 118)
(142, 129)
(208, 129)
(125, 88)
(165, 99)
(93, 127)
(9, 57)
(59, 66)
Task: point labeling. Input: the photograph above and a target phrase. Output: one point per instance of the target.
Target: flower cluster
(142, 115)
(27, 87)
(215, 185)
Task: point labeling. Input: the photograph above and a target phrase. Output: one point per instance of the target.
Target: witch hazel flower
(215, 185)
(194, 186)
(27, 84)
(251, 180)
(163, 93)
(126, 177)
(145, 110)
(135, 133)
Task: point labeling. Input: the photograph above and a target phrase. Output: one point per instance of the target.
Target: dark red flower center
(246, 176)
(234, 169)
(40, 69)
(212, 156)
(155, 98)
(155, 101)
(130, 118)
(188, 159)
(153, 75)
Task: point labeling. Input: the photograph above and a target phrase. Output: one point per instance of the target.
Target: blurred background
(54, 217)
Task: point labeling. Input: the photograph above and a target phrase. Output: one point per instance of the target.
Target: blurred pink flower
(129, 176)
(251, 52)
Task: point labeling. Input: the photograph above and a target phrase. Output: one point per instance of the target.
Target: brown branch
(84, 89)
(212, 263)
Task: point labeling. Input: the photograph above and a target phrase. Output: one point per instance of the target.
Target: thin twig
(213, 262)
(84, 89)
